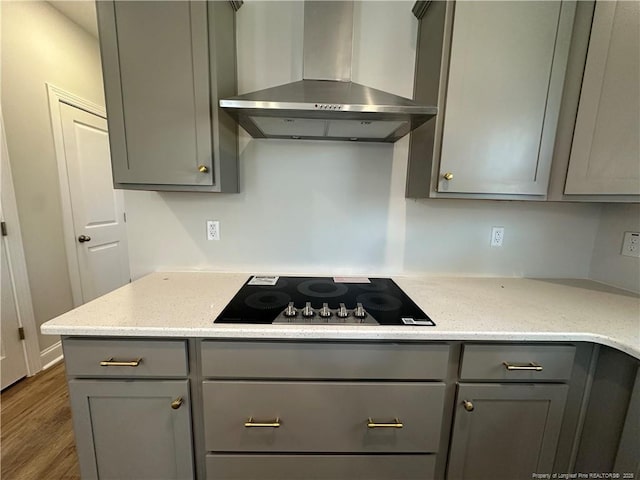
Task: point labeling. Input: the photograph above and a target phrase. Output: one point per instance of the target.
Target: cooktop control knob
(342, 311)
(290, 311)
(359, 311)
(324, 311)
(307, 311)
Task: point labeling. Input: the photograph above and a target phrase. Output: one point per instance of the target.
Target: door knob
(84, 238)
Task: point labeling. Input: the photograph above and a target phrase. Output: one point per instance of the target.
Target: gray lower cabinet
(329, 410)
(509, 427)
(131, 406)
(505, 431)
(132, 429)
(165, 66)
(323, 410)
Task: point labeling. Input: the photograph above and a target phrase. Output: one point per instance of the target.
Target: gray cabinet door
(129, 430)
(156, 72)
(505, 77)
(605, 155)
(511, 433)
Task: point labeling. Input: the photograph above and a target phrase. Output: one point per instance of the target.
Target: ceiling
(82, 12)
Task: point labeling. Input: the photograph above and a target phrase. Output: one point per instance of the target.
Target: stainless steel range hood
(326, 105)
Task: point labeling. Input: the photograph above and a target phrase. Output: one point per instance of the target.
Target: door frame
(56, 97)
(17, 263)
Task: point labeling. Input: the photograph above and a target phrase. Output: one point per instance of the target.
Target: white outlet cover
(631, 244)
(497, 236)
(213, 230)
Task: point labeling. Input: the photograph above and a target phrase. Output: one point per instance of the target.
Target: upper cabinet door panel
(605, 156)
(500, 71)
(159, 76)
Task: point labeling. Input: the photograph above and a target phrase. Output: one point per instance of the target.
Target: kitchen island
(515, 372)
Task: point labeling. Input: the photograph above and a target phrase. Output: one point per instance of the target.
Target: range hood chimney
(327, 105)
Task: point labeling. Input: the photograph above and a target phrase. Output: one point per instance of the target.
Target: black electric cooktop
(323, 300)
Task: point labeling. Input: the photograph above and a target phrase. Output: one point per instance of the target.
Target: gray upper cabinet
(605, 154)
(165, 66)
(496, 71)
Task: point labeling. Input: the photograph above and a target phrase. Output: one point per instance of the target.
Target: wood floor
(36, 438)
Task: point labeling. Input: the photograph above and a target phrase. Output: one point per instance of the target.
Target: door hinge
(3, 227)
(21, 333)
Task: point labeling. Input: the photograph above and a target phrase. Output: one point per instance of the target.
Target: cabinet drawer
(368, 361)
(322, 416)
(320, 467)
(527, 362)
(162, 358)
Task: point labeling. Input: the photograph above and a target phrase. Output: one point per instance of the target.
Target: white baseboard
(51, 355)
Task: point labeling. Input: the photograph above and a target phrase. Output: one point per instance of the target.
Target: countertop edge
(272, 332)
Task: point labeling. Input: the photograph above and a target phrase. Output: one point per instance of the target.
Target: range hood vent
(327, 105)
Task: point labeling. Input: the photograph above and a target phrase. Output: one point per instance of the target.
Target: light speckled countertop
(184, 304)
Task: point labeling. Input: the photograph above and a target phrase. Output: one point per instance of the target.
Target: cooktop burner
(323, 300)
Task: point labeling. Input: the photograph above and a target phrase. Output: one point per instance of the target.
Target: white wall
(340, 207)
(40, 45)
(607, 265)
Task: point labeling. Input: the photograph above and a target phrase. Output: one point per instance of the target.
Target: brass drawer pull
(177, 403)
(530, 366)
(468, 406)
(396, 424)
(267, 423)
(114, 363)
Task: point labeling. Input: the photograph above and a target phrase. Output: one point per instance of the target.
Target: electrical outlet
(631, 244)
(497, 235)
(213, 230)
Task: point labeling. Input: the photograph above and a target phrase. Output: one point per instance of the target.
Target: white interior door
(12, 360)
(18, 358)
(97, 209)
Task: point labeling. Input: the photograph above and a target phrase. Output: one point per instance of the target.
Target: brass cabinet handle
(114, 363)
(468, 406)
(84, 238)
(530, 366)
(395, 424)
(176, 403)
(266, 423)
(447, 176)
(203, 168)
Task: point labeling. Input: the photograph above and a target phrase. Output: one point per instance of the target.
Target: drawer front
(320, 467)
(487, 362)
(368, 361)
(322, 416)
(161, 358)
